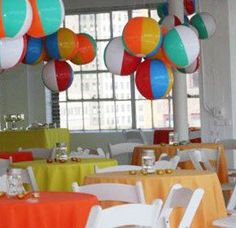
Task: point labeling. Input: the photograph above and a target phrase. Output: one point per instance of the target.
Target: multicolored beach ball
(48, 16)
(62, 44)
(192, 68)
(86, 51)
(118, 60)
(154, 79)
(170, 22)
(15, 18)
(57, 75)
(12, 52)
(162, 9)
(181, 46)
(34, 50)
(142, 36)
(190, 7)
(205, 24)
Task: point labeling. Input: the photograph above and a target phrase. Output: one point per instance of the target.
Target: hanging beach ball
(57, 75)
(142, 36)
(12, 52)
(16, 18)
(118, 60)
(154, 79)
(162, 9)
(86, 51)
(62, 44)
(181, 46)
(47, 17)
(205, 24)
(34, 50)
(170, 22)
(192, 68)
(190, 7)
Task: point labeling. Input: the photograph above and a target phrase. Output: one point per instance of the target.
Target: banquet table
(157, 186)
(58, 176)
(50, 210)
(17, 156)
(37, 138)
(171, 151)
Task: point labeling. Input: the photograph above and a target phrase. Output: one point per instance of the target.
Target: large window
(99, 100)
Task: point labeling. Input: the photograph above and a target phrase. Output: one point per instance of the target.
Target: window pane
(101, 47)
(62, 96)
(90, 66)
(72, 22)
(89, 86)
(91, 115)
(105, 85)
(123, 114)
(74, 92)
(103, 26)
(161, 117)
(63, 115)
(122, 87)
(143, 114)
(154, 15)
(107, 115)
(87, 24)
(194, 112)
(75, 67)
(75, 117)
(119, 20)
(193, 84)
(140, 12)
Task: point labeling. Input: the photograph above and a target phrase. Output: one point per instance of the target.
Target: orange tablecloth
(53, 210)
(158, 186)
(171, 151)
(17, 156)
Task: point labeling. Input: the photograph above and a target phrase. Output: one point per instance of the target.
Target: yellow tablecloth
(158, 186)
(38, 138)
(171, 151)
(59, 176)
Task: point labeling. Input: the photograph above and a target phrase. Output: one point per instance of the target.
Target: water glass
(173, 138)
(148, 161)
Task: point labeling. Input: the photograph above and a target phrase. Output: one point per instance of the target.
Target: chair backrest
(29, 178)
(171, 164)
(5, 163)
(136, 136)
(123, 215)
(184, 198)
(203, 156)
(231, 206)
(164, 156)
(114, 191)
(41, 153)
(229, 144)
(118, 168)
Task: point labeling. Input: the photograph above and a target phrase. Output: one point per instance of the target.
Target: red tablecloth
(162, 135)
(53, 210)
(18, 156)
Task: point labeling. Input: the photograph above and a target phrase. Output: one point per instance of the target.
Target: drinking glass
(148, 161)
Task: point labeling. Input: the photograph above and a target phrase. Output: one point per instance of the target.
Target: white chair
(136, 136)
(171, 164)
(123, 215)
(5, 163)
(164, 156)
(184, 198)
(118, 168)
(122, 152)
(114, 191)
(40, 153)
(231, 206)
(227, 222)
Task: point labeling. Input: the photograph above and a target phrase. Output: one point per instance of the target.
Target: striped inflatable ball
(205, 24)
(47, 17)
(57, 75)
(190, 6)
(62, 44)
(142, 36)
(192, 68)
(34, 50)
(12, 51)
(15, 18)
(181, 46)
(87, 50)
(169, 22)
(154, 79)
(162, 9)
(118, 60)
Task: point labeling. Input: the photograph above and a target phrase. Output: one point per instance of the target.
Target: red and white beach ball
(57, 75)
(192, 68)
(190, 7)
(12, 52)
(169, 22)
(118, 60)
(181, 46)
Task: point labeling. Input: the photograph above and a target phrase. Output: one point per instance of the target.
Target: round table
(58, 176)
(50, 210)
(157, 186)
